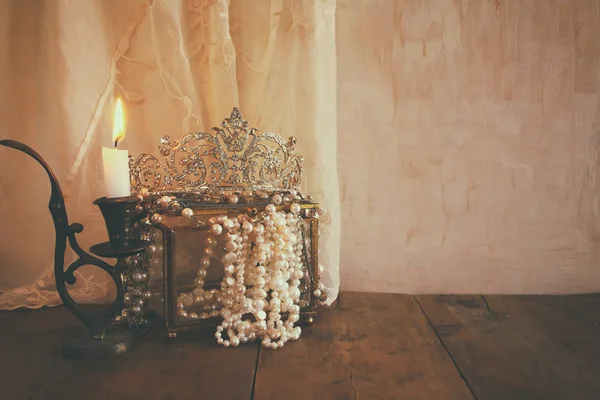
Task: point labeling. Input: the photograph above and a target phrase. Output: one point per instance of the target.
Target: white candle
(116, 162)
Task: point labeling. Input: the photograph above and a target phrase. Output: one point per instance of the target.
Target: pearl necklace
(263, 268)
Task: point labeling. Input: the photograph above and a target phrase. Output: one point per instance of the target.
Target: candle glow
(118, 123)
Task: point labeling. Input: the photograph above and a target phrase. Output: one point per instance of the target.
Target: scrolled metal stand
(118, 214)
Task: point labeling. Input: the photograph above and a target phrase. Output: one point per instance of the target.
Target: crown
(231, 157)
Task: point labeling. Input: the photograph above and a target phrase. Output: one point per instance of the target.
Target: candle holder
(102, 339)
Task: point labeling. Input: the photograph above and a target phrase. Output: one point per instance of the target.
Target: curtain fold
(180, 66)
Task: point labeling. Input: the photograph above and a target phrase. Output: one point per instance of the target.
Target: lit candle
(116, 162)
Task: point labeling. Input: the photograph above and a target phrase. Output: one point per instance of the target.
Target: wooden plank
(521, 347)
(190, 367)
(372, 346)
(30, 348)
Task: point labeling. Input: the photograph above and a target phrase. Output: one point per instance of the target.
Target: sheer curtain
(181, 66)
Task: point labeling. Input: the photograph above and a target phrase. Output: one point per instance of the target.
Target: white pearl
(279, 221)
(259, 229)
(228, 224)
(226, 343)
(275, 302)
(156, 218)
(294, 293)
(260, 281)
(230, 246)
(235, 341)
(247, 307)
(216, 229)
(204, 263)
(270, 209)
(222, 218)
(187, 212)
(230, 281)
(259, 304)
(247, 226)
(188, 301)
(276, 199)
(317, 293)
(229, 269)
(233, 199)
(276, 284)
(164, 201)
(261, 315)
(229, 258)
(225, 312)
(321, 268)
(298, 274)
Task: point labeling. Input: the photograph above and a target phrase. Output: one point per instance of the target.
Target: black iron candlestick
(118, 214)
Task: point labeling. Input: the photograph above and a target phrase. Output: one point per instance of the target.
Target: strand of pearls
(209, 299)
(268, 252)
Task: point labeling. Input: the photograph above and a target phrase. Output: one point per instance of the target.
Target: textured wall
(468, 143)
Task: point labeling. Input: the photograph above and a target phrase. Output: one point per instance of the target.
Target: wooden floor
(371, 346)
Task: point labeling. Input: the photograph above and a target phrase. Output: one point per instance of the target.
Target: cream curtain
(181, 65)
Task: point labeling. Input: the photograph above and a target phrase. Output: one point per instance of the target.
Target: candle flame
(118, 124)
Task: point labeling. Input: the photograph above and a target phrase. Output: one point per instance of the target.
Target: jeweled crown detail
(231, 157)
